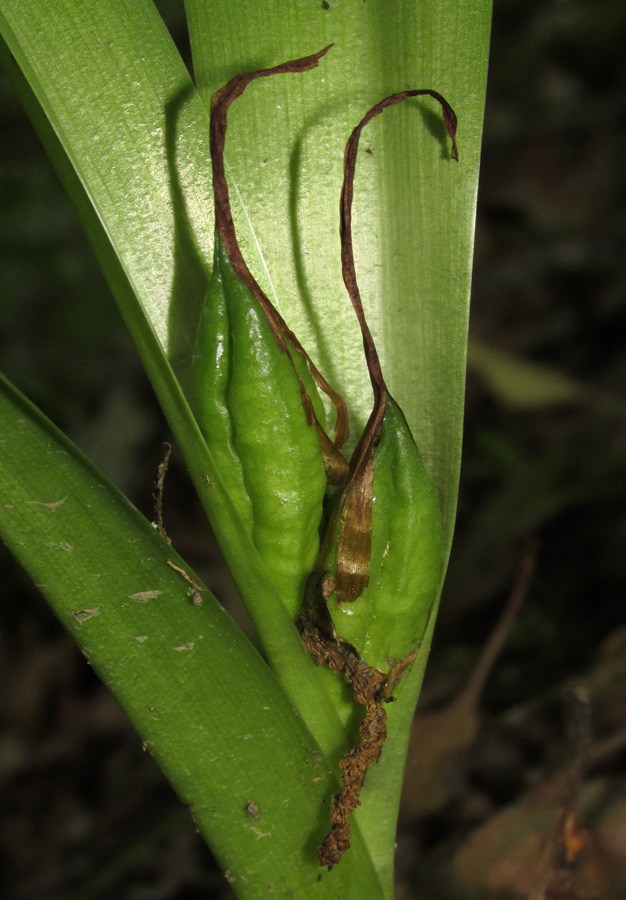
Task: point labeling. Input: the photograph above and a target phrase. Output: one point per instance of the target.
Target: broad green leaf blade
(204, 702)
(134, 132)
(413, 225)
(153, 286)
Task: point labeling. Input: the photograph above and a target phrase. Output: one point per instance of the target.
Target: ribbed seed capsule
(256, 394)
(212, 372)
(250, 408)
(389, 618)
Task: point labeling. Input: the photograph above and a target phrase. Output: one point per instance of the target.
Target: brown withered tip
(354, 539)
(221, 101)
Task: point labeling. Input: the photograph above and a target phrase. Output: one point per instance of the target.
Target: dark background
(85, 813)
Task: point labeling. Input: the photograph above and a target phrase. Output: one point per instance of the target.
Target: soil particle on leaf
(252, 810)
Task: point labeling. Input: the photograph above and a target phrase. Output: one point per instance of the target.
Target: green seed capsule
(212, 373)
(249, 406)
(384, 546)
(389, 618)
(256, 394)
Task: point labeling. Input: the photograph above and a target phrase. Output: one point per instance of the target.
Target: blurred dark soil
(528, 791)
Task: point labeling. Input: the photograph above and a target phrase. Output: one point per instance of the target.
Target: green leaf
(200, 696)
(122, 105)
(102, 122)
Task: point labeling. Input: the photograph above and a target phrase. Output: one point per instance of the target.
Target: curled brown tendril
(355, 507)
(286, 339)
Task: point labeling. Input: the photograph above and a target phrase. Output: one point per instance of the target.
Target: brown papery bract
(371, 688)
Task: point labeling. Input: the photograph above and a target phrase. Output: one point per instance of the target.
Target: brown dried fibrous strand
(159, 487)
(369, 690)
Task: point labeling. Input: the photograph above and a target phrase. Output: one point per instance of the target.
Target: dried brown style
(350, 534)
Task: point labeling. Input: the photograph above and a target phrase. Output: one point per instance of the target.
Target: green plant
(129, 135)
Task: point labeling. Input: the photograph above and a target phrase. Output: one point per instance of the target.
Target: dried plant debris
(158, 495)
(370, 688)
(436, 769)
